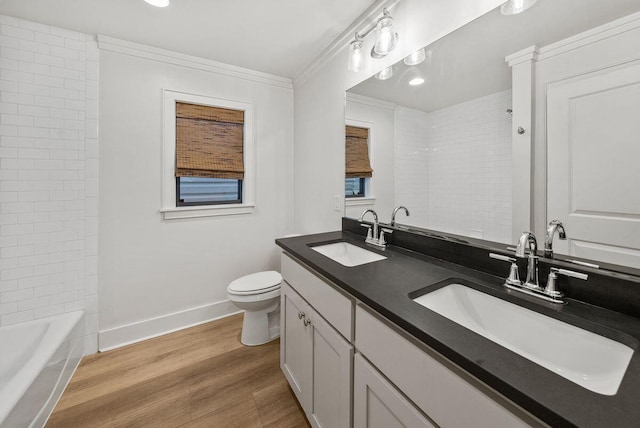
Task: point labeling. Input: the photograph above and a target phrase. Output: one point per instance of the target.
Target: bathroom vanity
(358, 350)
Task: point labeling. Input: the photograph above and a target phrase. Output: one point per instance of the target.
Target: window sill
(354, 202)
(205, 211)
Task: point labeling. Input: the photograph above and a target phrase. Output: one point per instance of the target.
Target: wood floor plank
(241, 413)
(144, 361)
(278, 407)
(198, 377)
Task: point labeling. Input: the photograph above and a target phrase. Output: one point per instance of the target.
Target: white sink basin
(347, 254)
(590, 360)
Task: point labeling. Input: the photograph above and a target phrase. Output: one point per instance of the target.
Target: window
(207, 191)
(354, 187)
(208, 153)
(357, 165)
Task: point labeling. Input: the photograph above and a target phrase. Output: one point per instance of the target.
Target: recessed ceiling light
(416, 81)
(158, 3)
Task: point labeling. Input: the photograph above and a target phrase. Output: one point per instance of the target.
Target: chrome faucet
(374, 238)
(531, 286)
(554, 226)
(395, 211)
(528, 241)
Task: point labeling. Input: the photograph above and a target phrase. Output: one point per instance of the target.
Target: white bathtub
(37, 359)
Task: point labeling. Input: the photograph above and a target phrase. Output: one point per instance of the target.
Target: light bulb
(356, 56)
(416, 81)
(415, 58)
(513, 7)
(158, 3)
(386, 38)
(385, 73)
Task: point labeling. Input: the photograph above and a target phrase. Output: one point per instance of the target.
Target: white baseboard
(146, 329)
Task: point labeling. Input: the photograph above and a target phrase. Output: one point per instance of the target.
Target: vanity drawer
(447, 394)
(332, 305)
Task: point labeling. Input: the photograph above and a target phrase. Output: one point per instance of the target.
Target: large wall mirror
(441, 133)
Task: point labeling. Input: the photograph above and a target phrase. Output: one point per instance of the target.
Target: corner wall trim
(148, 52)
(154, 327)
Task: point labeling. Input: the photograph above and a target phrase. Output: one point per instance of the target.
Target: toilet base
(260, 327)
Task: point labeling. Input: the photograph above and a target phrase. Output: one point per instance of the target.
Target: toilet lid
(260, 282)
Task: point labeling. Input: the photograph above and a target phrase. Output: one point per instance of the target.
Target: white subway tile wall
(453, 167)
(48, 173)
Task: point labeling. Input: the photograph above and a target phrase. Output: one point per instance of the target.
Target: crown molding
(342, 41)
(610, 29)
(526, 54)
(371, 102)
(170, 57)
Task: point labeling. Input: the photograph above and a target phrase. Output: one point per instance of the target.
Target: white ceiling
(470, 62)
(278, 37)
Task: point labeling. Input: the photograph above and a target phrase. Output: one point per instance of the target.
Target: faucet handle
(552, 282)
(501, 257)
(368, 230)
(383, 230)
(572, 274)
(514, 275)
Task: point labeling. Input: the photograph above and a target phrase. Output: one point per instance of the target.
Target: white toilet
(259, 295)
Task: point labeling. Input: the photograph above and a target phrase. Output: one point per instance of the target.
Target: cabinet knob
(300, 315)
(307, 322)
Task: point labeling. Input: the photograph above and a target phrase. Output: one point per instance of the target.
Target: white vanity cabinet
(315, 358)
(442, 391)
(378, 404)
(392, 381)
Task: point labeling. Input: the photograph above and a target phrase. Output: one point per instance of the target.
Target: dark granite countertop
(385, 287)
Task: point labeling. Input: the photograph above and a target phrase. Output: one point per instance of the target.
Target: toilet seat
(255, 284)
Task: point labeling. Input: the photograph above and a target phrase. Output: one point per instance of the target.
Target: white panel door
(332, 373)
(593, 160)
(377, 404)
(295, 344)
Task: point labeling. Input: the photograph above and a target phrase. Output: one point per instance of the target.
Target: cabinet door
(295, 344)
(331, 375)
(377, 403)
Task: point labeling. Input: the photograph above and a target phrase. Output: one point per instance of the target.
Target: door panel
(332, 369)
(377, 404)
(295, 345)
(593, 153)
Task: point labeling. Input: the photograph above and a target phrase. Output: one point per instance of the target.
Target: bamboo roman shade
(357, 153)
(209, 142)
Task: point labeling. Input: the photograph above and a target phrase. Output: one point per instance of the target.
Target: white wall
(379, 118)
(48, 173)
(158, 275)
(453, 167)
(320, 105)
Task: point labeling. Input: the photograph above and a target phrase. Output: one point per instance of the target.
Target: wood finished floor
(199, 377)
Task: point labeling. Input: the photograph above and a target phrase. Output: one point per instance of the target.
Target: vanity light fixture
(386, 37)
(158, 3)
(416, 81)
(514, 7)
(355, 54)
(385, 73)
(386, 41)
(416, 58)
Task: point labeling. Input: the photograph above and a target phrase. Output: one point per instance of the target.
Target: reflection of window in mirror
(358, 169)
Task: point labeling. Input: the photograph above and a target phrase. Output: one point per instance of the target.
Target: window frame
(170, 209)
(369, 185)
